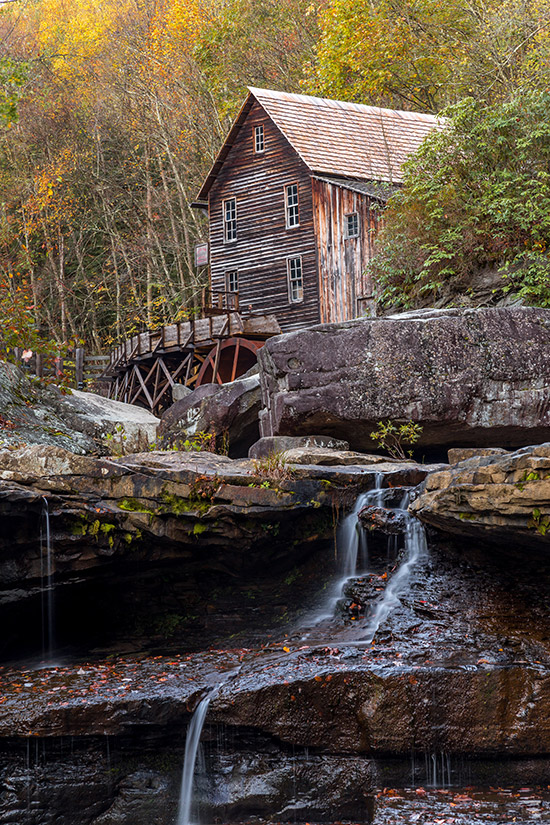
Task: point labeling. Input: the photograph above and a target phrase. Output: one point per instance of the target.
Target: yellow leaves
(76, 31)
(176, 30)
(51, 202)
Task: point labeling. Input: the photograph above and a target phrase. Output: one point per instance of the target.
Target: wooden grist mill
(295, 200)
(216, 348)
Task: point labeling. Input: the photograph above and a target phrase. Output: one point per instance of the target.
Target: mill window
(232, 281)
(295, 280)
(291, 203)
(230, 220)
(259, 141)
(352, 225)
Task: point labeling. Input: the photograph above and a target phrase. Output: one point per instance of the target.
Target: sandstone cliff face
(474, 377)
(504, 498)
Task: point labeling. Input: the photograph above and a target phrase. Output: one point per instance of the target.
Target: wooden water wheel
(228, 360)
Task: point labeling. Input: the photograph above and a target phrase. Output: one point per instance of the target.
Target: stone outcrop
(229, 412)
(282, 443)
(114, 426)
(468, 377)
(165, 505)
(80, 422)
(505, 498)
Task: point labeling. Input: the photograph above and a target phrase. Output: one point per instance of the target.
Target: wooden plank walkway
(143, 369)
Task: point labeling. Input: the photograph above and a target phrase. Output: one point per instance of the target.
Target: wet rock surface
(315, 723)
(468, 377)
(504, 498)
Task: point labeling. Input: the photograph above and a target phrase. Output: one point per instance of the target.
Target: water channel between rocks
(412, 689)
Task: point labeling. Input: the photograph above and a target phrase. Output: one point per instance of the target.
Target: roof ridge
(343, 104)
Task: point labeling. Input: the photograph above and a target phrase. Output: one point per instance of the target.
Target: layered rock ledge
(503, 498)
(199, 507)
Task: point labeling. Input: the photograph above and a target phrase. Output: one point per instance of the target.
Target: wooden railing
(215, 303)
(75, 367)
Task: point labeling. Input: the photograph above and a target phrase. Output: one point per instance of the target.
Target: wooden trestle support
(216, 349)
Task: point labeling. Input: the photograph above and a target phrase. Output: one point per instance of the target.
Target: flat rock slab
(467, 377)
(332, 457)
(277, 444)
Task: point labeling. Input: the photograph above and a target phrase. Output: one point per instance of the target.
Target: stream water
(353, 560)
(414, 547)
(192, 742)
(46, 576)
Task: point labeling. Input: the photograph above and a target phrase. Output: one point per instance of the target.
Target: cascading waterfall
(415, 547)
(46, 575)
(191, 748)
(192, 741)
(352, 550)
(352, 547)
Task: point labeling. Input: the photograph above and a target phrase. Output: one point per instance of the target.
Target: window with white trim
(352, 225)
(259, 140)
(291, 205)
(232, 281)
(295, 280)
(230, 220)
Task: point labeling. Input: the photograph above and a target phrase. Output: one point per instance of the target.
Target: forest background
(111, 114)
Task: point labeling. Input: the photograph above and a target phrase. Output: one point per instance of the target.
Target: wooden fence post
(79, 368)
(58, 366)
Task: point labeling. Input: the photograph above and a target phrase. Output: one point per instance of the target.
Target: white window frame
(229, 226)
(352, 215)
(229, 276)
(292, 206)
(295, 276)
(259, 140)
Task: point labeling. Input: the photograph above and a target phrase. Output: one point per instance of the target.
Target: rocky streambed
(443, 716)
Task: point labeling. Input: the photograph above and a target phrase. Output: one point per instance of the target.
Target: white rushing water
(415, 547)
(191, 748)
(46, 575)
(352, 551)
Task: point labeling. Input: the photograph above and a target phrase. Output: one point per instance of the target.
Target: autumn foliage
(111, 113)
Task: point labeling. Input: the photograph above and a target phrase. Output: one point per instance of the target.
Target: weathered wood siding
(263, 242)
(342, 260)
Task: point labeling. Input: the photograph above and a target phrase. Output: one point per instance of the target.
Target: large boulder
(81, 422)
(113, 425)
(228, 412)
(468, 377)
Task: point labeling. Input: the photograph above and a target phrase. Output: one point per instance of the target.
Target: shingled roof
(334, 137)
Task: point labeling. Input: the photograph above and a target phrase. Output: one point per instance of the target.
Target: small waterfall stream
(46, 575)
(352, 550)
(415, 546)
(353, 562)
(192, 741)
(191, 748)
